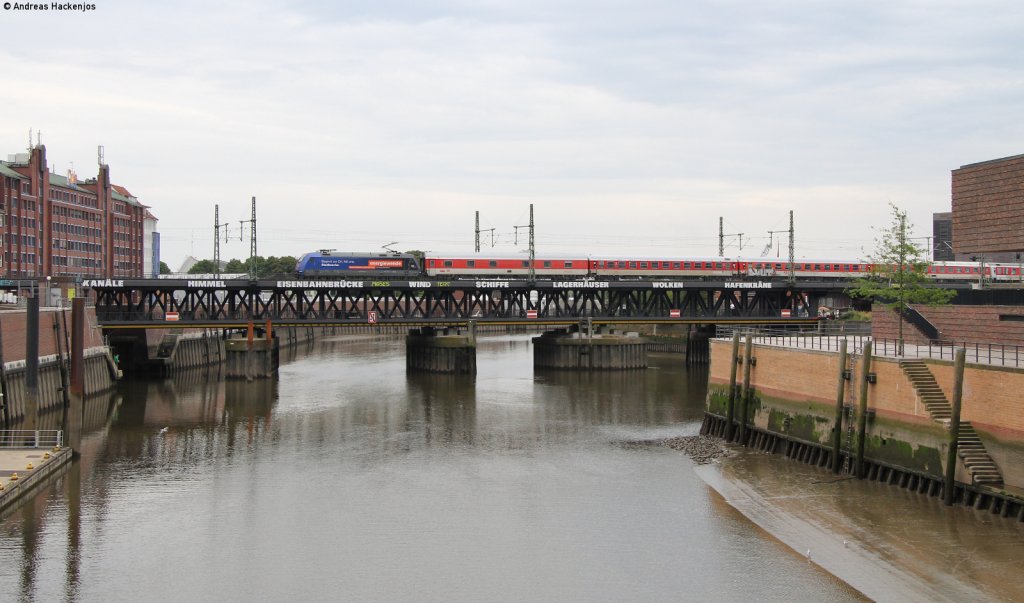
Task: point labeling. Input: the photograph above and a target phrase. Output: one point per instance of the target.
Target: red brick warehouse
(988, 209)
(69, 229)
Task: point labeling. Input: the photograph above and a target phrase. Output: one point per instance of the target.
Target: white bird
(808, 554)
(845, 542)
(164, 430)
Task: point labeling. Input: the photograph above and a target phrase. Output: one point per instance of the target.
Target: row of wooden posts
(72, 384)
(844, 375)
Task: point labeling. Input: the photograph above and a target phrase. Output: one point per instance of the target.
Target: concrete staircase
(970, 449)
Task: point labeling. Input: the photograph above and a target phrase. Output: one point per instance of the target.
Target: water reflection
(442, 408)
(506, 485)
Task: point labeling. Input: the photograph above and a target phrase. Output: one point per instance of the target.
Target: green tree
(164, 268)
(416, 253)
(898, 275)
(202, 267)
(277, 265)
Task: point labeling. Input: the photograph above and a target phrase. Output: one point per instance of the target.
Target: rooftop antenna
(99, 155)
(30, 140)
(39, 138)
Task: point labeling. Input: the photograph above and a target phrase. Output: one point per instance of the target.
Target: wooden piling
(62, 367)
(32, 364)
(837, 429)
(729, 409)
(77, 346)
(748, 346)
(862, 411)
(954, 425)
(4, 395)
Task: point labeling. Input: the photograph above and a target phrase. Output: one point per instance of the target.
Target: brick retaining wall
(13, 325)
(955, 323)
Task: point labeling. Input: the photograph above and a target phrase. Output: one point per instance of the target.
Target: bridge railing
(31, 438)
(996, 354)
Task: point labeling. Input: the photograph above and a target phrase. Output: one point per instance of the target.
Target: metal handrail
(996, 354)
(31, 438)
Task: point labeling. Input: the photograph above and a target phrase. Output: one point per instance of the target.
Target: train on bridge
(330, 263)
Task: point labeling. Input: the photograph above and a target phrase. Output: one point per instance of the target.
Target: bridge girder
(320, 302)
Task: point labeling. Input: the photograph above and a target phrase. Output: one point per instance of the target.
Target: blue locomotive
(328, 262)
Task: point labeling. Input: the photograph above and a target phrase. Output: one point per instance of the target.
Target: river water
(346, 479)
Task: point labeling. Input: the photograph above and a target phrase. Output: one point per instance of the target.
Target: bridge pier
(698, 349)
(252, 357)
(430, 350)
(589, 351)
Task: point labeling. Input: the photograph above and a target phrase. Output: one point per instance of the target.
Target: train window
(675, 265)
(686, 265)
(568, 265)
(643, 264)
(547, 263)
(526, 264)
(471, 263)
(817, 266)
(835, 267)
(632, 264)
(778, 266)
(493, 263)
(447, 263)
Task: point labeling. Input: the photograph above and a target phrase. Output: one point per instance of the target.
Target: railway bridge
(167, 303)
(126, 308)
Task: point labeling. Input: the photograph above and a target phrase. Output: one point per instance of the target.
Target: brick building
(942, 237)
(65, 228)
(988, 209)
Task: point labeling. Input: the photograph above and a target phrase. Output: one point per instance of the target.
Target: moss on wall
(899, 453)
(911, 446)
(718, 400)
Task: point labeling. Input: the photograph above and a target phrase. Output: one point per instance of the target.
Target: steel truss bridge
(165, 303)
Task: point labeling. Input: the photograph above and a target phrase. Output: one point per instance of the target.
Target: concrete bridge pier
(589, 349)
(698, 350)
(448, 350)
(251, 357)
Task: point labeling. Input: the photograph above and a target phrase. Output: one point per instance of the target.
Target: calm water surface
(346, 479)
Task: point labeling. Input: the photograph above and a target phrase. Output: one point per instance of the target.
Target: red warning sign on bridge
(171, 316)
(531, 314)
(674, 314)
(371, 317)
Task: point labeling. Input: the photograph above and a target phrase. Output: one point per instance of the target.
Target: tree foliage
(898, 275)
(164, 268)
(265, 266)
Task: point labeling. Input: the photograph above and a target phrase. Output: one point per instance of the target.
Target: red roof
(122, 190)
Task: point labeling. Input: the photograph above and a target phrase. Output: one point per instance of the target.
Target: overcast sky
(631, 126)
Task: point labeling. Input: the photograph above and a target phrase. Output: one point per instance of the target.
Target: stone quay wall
(796, 391)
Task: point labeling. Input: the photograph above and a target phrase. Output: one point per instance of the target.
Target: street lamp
(46, 302)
